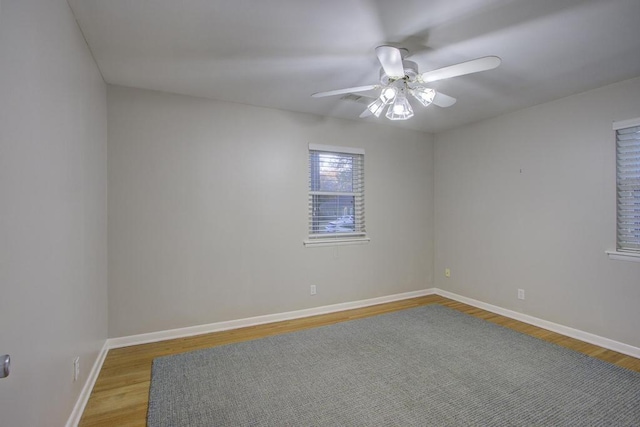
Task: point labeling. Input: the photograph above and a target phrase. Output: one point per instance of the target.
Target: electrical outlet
(447, 272)
(76, 368)
(313, 289)
(520, 293)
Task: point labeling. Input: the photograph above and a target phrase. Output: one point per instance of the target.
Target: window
(336, 195)
(628, 185)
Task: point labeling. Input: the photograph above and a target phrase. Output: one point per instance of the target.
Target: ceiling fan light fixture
(400, 110)
(376, 107)
(388, 94)
(424, 95)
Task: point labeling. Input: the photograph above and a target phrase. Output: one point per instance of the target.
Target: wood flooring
(121, 394)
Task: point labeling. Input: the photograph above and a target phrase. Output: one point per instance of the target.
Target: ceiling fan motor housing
(410, 73)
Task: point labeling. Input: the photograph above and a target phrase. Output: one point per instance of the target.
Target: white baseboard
(564, 330)
(78, 409)
(298, 314)
(259, 320)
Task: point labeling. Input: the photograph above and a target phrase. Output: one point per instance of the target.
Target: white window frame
(622, 253)
(332, 239)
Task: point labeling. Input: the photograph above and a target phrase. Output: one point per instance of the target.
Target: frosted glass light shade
(401, 109)
(376, 107)
(387, 95)
(423, 95)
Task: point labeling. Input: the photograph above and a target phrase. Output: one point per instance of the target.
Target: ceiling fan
(400, 77)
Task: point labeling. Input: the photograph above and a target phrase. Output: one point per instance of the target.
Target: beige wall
(53, 195)
(544, 229)
(208, 212)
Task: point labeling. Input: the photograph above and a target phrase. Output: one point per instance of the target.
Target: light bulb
(388, 94)
(400, 110)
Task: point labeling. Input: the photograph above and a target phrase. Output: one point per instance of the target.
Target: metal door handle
(4, 369)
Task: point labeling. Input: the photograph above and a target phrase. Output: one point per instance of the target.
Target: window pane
(335, 172)
(628, 194)
(333, 214)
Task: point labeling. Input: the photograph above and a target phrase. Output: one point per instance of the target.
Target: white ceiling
(276, 53)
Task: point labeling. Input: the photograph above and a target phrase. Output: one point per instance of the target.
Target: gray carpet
(426, 366)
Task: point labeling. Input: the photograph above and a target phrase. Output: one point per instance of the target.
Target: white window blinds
(336, 192)
(628, 185)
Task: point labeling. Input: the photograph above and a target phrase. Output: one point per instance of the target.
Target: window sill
(336, 242)
(623, 256)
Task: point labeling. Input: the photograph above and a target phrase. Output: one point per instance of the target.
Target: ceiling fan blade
(342, 91)
(391, 60)
(442, 100)
(468, 67)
